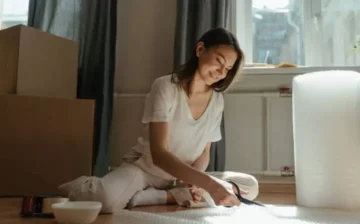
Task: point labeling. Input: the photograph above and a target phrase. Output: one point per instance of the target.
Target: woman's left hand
(243, 192)
(196, 193)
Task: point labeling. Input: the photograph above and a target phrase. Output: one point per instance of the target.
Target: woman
(183, 113)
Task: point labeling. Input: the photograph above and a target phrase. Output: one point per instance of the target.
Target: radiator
(258, 129)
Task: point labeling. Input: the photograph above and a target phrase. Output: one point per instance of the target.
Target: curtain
(93, 25)
(195, 17)
(217, 152)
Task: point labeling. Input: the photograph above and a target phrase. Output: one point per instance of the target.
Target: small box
(36, 63)
(44, 142)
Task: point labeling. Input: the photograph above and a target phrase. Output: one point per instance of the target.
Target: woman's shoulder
(164, 81)
(164, 85)
(219, 100)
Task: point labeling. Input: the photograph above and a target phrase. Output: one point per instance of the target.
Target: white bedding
(243, 214)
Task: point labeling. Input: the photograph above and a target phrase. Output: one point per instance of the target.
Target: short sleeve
(158, 102)
(216, 133)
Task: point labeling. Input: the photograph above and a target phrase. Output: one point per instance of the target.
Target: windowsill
(293, 71)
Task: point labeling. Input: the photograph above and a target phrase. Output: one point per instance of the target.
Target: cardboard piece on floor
(36, 63)
(43, 143)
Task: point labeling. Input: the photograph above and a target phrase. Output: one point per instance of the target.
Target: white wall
(145, 42)
(144, 51)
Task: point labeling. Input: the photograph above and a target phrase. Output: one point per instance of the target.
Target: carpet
(243, 214)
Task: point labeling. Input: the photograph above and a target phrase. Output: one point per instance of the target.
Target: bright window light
(302, 32)
(13, 12)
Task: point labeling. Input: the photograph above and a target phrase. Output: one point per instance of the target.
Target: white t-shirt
(166, 102)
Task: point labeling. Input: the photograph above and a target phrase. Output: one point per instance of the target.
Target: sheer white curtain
(13, 12)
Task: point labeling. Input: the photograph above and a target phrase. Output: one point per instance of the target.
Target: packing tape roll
(47, 202)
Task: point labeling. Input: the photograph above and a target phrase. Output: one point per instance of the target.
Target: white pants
(116, 188)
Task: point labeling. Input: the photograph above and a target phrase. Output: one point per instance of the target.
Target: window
(303, 32)
(13, 12)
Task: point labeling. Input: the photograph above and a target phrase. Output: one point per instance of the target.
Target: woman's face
(215, 62)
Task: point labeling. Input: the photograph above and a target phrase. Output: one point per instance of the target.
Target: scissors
(244, 200)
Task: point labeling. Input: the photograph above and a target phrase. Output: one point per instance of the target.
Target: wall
(144, 51)
(144, 43)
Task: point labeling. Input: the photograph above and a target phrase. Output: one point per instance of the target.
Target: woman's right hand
(222, 196)
(167, 161)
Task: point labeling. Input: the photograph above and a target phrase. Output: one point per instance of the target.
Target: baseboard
(265, 173)
(277, 188)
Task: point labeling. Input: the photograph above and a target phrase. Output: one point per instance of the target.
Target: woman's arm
(203, 161)
(164, 159)
(200, 164)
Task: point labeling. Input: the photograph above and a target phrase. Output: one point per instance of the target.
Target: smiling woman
(182, 117)
(216, 59)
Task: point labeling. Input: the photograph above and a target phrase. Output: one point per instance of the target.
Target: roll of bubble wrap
(326, 125)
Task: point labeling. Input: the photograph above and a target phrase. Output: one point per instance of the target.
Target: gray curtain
(217, 152)
(91, 23)
(195, 17)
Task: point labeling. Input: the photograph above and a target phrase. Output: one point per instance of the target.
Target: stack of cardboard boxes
(46, 134)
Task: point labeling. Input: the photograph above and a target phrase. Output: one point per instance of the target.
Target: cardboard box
(36, 63)
(44, 142)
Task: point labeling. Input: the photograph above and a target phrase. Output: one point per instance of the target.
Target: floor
(277, 193)
(272, 191)
(265, 198)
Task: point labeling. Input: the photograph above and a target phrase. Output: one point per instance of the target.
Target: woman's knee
(120, 186)
(252, 188)
(244, 181)
(106, 197)
(114, 190)
(93, 190)
(111, 201)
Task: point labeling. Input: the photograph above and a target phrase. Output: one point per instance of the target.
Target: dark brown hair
(212, 38)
